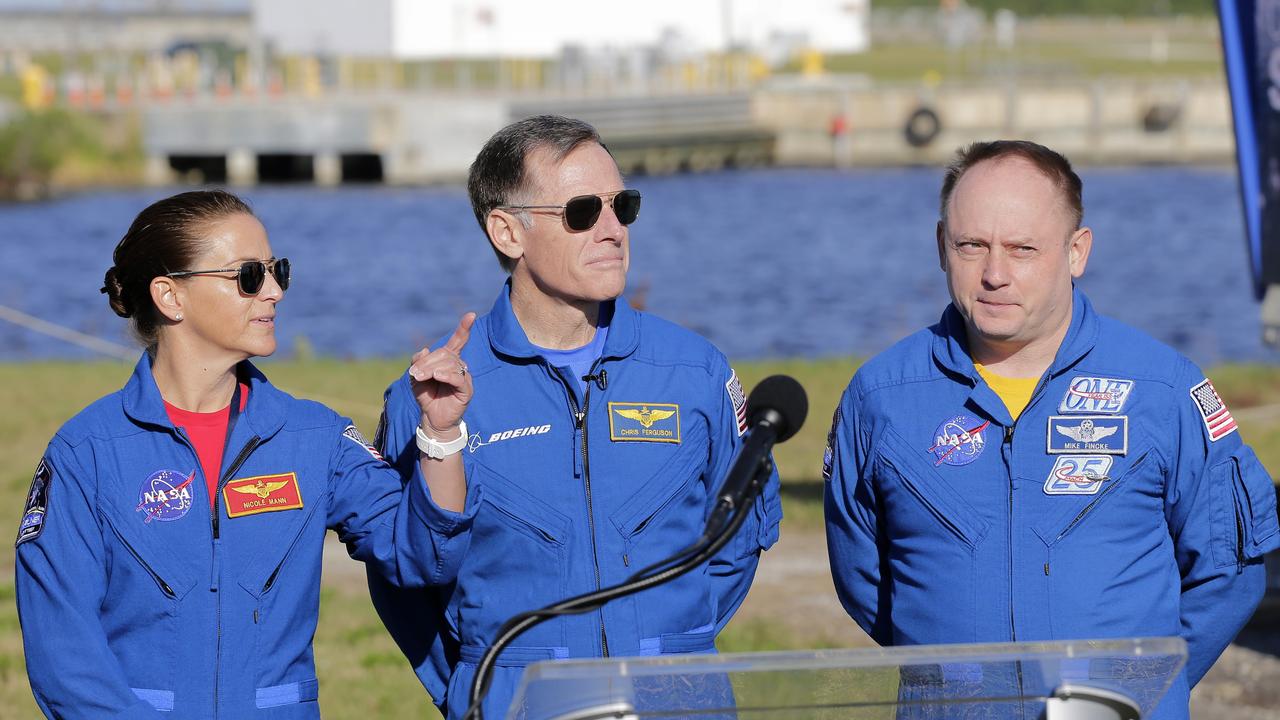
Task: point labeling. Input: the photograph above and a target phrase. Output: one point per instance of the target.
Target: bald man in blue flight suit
(1028, 469)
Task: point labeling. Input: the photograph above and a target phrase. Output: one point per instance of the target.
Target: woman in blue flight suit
(151, 579)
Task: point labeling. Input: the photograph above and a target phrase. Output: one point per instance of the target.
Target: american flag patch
(352, 434)
(1217, 418)
(739, 400)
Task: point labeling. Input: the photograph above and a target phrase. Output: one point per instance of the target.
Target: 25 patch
(1078, 475)
(1096, 395)
(1108, 434)
(35, 510)
(265, 493)
(644, 422)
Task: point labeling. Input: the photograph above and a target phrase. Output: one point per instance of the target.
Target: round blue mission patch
(959, 440)
(165, 495)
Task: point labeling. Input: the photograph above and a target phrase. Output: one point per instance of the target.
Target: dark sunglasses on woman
(250, 275)
(582, 212)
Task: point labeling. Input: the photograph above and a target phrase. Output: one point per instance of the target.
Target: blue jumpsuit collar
(507, 337)
(951, 346)
(264, 413)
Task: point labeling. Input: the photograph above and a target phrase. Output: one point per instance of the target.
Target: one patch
(1108, 434)
(36, 508)
(959, 440)
(265, 493)
(739, 400)
(477, 441)
(1078, 475)
(353, 434)
(165, 495)
(1217, 418)
(644, 422)
(1096, 395)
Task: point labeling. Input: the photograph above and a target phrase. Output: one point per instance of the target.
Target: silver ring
(462, 368)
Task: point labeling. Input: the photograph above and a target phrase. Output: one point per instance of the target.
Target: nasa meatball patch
(33, 512)
(165, 495)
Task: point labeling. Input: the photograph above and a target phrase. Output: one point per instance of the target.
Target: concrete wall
(1095, 122)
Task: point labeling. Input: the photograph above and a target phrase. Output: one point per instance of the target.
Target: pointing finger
(461, 334)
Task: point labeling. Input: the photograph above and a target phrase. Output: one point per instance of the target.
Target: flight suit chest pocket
(906, 478)
(668, 487)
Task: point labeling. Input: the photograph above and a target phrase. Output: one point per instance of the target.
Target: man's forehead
(1007, 183)
(588, 163)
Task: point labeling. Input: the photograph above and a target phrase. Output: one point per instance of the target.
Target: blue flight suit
(569, 491)
(137, 602)
(1122, 503)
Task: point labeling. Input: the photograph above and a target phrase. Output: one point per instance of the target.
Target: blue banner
(1250, 33)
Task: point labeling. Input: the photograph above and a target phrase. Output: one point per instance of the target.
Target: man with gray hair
(1028, 469)
(593, 446)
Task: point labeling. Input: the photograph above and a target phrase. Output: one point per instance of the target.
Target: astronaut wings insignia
(645, 416)
(261, 489)
(1083, 433)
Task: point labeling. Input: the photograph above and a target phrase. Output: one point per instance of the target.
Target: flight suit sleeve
(415, 617)
(734, 567)
(385, 514)
(61, 583)
(852, 522)
(1220, 505)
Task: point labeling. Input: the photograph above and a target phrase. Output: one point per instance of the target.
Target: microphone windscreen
(784, 396)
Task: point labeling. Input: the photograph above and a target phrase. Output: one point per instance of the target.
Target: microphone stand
(708, 544)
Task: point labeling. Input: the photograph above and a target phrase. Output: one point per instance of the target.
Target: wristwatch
(437, 450)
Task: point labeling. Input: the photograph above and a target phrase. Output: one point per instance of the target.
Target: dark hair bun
(114, 290)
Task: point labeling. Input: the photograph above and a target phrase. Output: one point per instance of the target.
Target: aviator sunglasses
(251, 275)
(582, 212)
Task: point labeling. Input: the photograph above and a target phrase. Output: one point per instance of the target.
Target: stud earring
(178, 317)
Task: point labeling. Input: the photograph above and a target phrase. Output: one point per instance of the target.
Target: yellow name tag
(644, 422)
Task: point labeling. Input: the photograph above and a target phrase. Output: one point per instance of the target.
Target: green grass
(361, 673)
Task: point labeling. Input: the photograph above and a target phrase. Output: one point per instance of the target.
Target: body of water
(769, 263)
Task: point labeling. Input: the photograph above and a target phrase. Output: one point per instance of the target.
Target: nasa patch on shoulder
(34, 510)
(353, 434)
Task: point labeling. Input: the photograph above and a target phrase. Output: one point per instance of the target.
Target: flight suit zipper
(232, 469)
(580, 426)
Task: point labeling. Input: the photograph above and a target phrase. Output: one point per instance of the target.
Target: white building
(428, 29)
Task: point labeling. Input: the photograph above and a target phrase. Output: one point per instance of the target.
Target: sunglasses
(582, 212)
(251, 275)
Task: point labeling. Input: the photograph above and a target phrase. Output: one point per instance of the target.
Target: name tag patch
(265, 493)
(1078, 475)
(1096, 395)
(165, 495)
(644, 422)
(1108, 434)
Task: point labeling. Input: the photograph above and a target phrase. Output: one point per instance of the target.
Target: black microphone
(776, 409)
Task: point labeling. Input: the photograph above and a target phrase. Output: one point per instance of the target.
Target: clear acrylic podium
(1073, 680)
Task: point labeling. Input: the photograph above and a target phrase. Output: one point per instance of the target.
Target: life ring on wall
(922, 127)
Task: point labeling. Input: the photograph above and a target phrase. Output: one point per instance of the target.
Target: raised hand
(441, 382)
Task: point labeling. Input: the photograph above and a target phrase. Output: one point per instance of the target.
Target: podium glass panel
(1070, 680)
